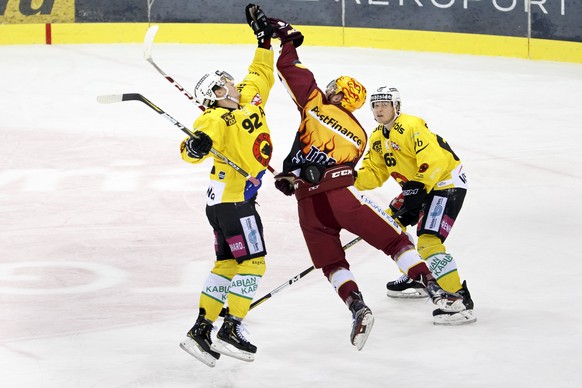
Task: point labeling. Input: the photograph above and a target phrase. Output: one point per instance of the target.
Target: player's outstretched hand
(258, 21)
(285, 32)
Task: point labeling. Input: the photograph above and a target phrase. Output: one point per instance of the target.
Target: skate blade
(192, 348)
(225, 348)
(461, 318)
(411, 294)
(364, 331)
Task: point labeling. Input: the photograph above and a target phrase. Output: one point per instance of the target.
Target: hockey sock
(444, 269)
(441, 264)
(344, 282)
(244, 286)
(408, 259)
(216, 288)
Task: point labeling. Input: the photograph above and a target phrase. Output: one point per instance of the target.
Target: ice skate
(231, 341)
(463, 317)
(406, 288)
(445, 301)
(362, 321)
(198, 342)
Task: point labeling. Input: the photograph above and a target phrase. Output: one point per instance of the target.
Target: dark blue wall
(554, 19)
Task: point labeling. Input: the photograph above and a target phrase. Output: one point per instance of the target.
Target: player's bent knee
(429, 244)
(225, 268)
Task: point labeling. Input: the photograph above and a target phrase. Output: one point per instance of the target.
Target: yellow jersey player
(234, 124)
(433, 184)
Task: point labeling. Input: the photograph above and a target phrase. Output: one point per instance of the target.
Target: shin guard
(216, 288)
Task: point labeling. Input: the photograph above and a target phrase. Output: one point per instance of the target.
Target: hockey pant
(323, 216)
(232, 282)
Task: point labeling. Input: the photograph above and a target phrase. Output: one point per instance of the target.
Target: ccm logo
(341, 173)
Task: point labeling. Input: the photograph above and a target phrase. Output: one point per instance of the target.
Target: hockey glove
(413, 194)
(407, 218)
(285, 32)
(284, 183)
(198, 146)
(257, 19)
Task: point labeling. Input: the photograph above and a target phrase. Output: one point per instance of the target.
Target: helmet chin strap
(236, 100)
(228, 97)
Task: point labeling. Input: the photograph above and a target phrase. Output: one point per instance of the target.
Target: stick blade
(148, 41)
(110, 98)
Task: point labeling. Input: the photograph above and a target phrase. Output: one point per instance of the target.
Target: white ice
(104, 245)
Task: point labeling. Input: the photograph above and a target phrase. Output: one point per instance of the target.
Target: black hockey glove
(284, 183)
(199, 146)
(285, 32)
(413, 194)
(406, 218)
(257, 19)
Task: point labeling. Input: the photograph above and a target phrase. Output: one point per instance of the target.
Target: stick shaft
(108, 99)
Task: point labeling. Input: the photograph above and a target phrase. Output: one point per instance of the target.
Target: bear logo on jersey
(262, 148)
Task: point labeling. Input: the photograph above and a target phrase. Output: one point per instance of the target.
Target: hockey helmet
(205, 87)
(353, 91)
(386, 93)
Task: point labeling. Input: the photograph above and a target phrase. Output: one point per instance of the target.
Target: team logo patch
(423, 167)
(377, 146)
(257, 100)
(262, 148)
(228, 118)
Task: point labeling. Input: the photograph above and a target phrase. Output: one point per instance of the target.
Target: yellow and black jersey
(242, 135)
(409, 151)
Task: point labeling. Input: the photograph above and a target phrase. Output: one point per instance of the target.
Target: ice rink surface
(104, 245)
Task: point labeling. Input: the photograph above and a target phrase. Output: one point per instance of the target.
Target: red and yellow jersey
(328, 134)
(411, 152)
(242, 135)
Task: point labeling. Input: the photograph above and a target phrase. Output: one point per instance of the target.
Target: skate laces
(240, 330)
(402, 279)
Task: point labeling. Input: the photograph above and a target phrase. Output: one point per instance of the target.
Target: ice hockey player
(319, 172)
(231, 112)
(433, 184)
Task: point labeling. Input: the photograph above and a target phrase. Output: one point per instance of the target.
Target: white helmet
(386, 93)
(204, 89)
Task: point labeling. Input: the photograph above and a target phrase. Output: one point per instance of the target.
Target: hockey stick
(289, 282)
(296, 278)
(147, 53)
(113, 98)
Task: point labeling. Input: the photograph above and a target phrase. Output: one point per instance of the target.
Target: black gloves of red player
(198, 146)
(285, 32)
(284, 183)
(413, 194)
(257, 19)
